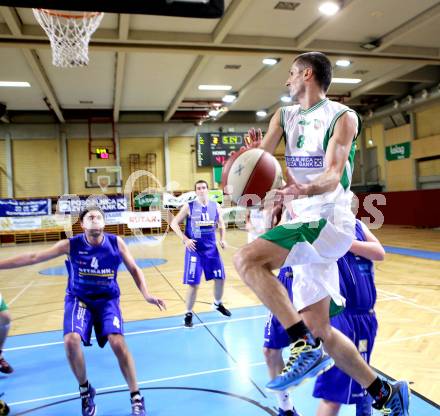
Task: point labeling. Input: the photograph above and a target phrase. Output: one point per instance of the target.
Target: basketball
(249, 174)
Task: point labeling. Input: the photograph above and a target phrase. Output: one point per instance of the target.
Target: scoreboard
(213, 149)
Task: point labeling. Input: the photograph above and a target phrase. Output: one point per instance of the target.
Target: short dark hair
(321, 67)
(89, 208)
(201, 181)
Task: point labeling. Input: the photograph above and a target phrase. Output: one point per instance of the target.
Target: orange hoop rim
(70, 16)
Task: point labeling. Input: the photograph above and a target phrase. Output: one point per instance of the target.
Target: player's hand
(156, 301)
(254, 138)
(223, 244)
(291, 190)
(190, 244)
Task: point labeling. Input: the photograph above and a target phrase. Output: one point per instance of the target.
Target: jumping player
(320, 149)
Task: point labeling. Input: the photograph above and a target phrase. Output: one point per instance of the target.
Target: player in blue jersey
(201, 252)
(92, 300)
(357, 321)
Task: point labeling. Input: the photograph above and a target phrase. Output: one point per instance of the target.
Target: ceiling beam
(407, 27)
(233, 12)
(310, 34)
(33, 37)
(12, 20)
(428, 74)
(391, 88)
(192, 74)
(14, 24)
(249, 85)
(225, 49)
(123, 30)
(383, 79)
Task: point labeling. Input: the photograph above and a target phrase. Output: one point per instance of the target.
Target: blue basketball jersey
(201, 224)
(356, 278)
(93, 269)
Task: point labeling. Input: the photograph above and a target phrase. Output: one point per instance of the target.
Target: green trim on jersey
(335, 309)
(345, 180)
(313, 108)
(3, 306)
(287, 235)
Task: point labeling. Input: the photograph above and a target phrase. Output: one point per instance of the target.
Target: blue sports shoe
(138, 406)
(305, 361)
(398, 402)
(88, 405)
(293, 412)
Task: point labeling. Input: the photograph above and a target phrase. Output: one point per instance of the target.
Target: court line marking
(392, 340)
(102, 389)
(404, 299)
(148, 331)
(20, 293)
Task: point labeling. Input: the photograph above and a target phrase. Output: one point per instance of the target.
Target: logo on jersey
(310, 162)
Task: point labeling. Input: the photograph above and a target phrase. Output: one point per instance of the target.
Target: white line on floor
(148, 331)
(20, 293)
(157, 380)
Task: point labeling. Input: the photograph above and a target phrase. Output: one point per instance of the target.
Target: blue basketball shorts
(275, 336)
(335, 385)
(210, 264)
(103, 314)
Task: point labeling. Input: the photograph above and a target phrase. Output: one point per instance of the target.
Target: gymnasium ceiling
(148, 68)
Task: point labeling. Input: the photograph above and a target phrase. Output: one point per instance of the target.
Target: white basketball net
(69, 34)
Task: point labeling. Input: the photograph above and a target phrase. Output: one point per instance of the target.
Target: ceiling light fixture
(344, 63)
(229, 98)
(261, 113)
(286, 99)
(15, 84)
(369, 46)
(329, 8)
(210, 87)
(346, 80)
(214, 113)
(270, 61)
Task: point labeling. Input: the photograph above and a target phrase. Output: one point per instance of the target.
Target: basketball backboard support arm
(207, 9)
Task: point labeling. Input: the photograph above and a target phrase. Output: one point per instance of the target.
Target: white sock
(283, 400)
(217, 302)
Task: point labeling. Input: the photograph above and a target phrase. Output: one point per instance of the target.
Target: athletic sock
(380, 391)
(135, 395)
(84, 387)
(300, 331)
(283, 399)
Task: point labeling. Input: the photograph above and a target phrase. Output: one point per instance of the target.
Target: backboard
(182, 8)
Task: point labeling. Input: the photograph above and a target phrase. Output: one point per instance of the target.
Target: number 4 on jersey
(94, 263)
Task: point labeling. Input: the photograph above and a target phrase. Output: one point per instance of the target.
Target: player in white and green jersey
(320, 142)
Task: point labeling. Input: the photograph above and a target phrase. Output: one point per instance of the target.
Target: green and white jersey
(307, 134)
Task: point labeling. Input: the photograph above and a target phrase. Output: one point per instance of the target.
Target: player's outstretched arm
(58, 249)
(138, 275)
(180, 217)
(371, 249)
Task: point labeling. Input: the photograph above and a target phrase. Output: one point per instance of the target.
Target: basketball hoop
(69, 34)
(103, 182)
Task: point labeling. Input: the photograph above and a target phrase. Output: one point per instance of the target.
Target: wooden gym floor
(407, 346)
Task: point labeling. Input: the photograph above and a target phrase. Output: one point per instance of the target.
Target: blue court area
(215, 368)
(422, 254)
